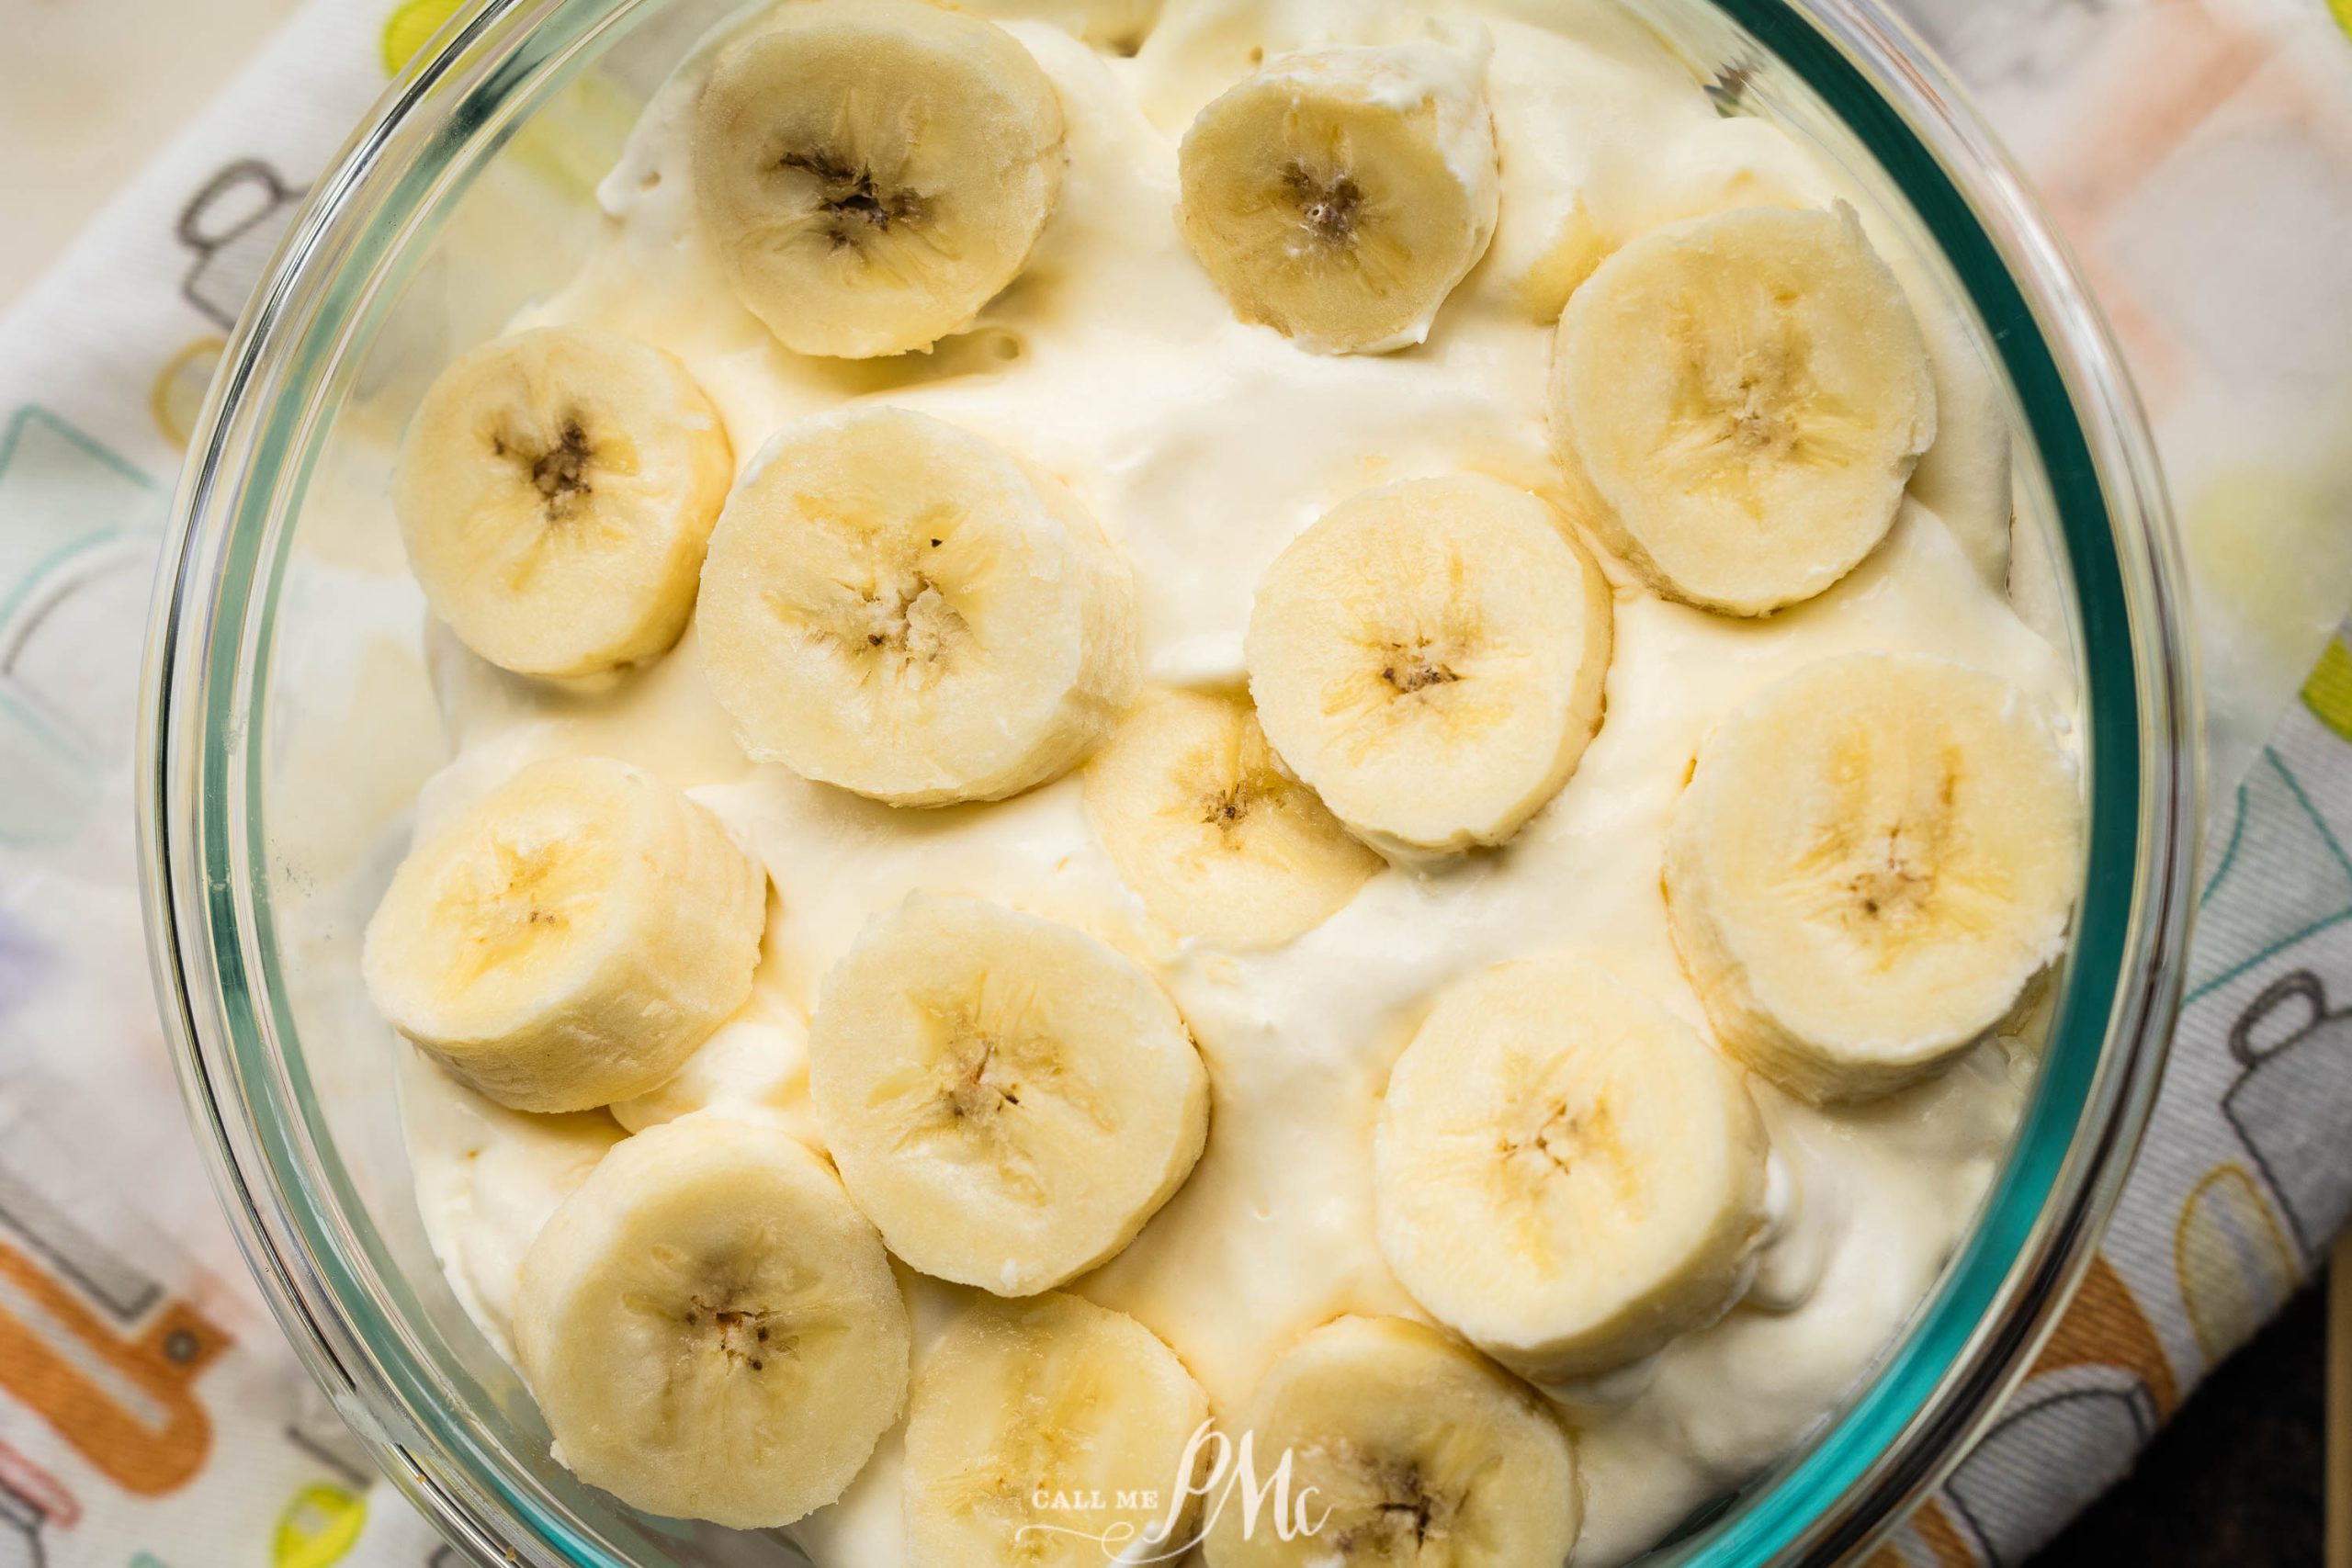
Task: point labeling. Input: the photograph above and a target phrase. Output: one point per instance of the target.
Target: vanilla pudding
(1119, 372)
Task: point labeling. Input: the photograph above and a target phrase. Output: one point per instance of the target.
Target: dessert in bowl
(1299, 756)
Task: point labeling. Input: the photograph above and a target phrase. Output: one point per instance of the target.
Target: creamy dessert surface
(1204, 445)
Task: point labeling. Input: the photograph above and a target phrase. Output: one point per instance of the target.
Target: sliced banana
(1339, 195)
(899, 607)
(872, 172)
(1209, 828)
(1743, 396)
(555, 492)
(1008, 1098)
(1418, 1452)
(1037, 1429)
(1873, 860)
(710, 1328)
(570, 940)
(1565, 1174)
(1429, 656)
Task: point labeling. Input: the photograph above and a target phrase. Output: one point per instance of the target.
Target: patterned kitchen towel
(149, 1413)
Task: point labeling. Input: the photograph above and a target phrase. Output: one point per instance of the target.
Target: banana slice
(872, 172)
(1429, 656)
(1565, 1174)
(572, 938)
(1008, 1098)
(555, 492)
(1873, 860)
(1037, 1429)
(1418, 1451)
(1213, 834)
(1743, 396)
(1339, 195)
(897, 607)
(711, 1330)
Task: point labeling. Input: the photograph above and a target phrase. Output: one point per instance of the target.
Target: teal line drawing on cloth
(2282, 877)
(49, 771)
(74, 516)
(61, 492)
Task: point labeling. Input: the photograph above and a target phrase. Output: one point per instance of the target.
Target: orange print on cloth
(1927, 1540)
(2104, 1326)
(125, 1398)
(2096, 1393)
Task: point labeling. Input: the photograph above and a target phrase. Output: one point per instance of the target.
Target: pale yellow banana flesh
(871, 173)
(710, 1328)
(1875, 860)
(1209, 828)
(1328, 206)
(1418, 1451)
(899, 607)
(1741, 399)
(1031, 1422)
(570, 940)
(555, 492)
(1008, 1098)
(1430, 657)
(1568, 1176)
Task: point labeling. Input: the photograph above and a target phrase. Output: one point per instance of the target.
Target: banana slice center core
(1403, 1516)
(1759, 405)
(1329, 207)
(898, 621)
(1412, 667)
(1563, 1137)
(747, 1334)
(1891, 886)
(984, 1080)
(558, 470)
(510, 901)
(853, 202)
(1228, 807)
(998, 1087)
(1886, 886)
(913, 622)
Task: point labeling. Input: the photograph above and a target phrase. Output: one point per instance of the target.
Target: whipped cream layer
(1204, 446)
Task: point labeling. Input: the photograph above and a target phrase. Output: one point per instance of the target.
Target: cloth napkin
(2198, 154)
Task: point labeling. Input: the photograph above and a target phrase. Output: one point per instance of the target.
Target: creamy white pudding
(1205, 445)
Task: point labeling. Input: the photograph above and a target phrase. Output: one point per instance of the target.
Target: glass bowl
(289, 720)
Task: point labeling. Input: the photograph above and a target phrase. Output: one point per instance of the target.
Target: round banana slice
(1008, 1098)
(710, 1328)
(1208, 828)
(872, 172)
(1339, 196)
(1565, 1174)
(1038, 1431)
(1873, 861)
(1429, 655)
(1744, 396)
(572, 938)
(1418, 1451)
(895, 607)
(555, 492)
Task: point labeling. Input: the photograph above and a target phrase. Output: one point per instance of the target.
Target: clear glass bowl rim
(290, 1205)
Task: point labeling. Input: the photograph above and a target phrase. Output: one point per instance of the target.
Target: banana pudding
(1243, 781)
